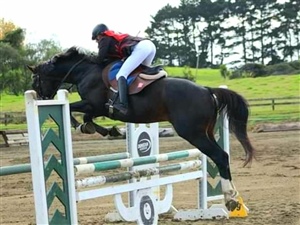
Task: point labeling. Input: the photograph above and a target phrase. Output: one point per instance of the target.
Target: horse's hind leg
(113, 131)
(209, 147)
(92, 127)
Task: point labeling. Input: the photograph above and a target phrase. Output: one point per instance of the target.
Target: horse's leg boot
(122, 106)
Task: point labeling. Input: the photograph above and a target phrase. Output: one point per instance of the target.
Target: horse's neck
(77, 74)
(85, 76)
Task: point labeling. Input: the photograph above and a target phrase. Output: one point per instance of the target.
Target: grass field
(262, 87)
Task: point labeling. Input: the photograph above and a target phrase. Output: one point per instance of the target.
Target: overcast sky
(71, 22)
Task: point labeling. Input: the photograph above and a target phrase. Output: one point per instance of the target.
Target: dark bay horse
(190, 108)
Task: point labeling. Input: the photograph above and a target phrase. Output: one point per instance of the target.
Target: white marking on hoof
(78, 129)
(230, 194)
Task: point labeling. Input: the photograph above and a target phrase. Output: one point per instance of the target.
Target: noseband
(37, 76)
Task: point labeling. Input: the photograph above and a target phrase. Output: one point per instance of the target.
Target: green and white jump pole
(26, 167)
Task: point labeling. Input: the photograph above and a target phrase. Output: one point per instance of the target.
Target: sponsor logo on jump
(144, 144)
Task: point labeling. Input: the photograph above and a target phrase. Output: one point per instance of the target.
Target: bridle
(39, 89)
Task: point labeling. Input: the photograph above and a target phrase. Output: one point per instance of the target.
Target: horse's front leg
(86, 128)
(75, 124)
(89, 126)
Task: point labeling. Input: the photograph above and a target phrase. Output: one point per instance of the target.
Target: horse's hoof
(87, 128)
(115, 132)
(232, 204)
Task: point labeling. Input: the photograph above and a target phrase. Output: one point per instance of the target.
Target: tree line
(205, 33)
(15, 78)
(196, 34)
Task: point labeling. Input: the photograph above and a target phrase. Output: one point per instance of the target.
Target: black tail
(237, 110)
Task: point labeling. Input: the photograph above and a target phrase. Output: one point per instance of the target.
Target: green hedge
(259, 70)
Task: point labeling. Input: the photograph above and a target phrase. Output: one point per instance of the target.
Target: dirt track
(270, 188)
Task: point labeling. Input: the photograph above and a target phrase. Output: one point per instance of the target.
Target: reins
(66, 76)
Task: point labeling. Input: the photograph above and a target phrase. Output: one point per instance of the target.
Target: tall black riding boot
(122, 106)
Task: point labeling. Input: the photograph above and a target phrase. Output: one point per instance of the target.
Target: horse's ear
(31, 68)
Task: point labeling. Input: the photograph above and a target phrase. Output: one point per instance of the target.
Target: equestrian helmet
(99, 29)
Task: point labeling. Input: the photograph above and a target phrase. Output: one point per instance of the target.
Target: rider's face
(98, 38)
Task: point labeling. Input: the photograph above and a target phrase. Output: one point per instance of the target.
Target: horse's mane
(82, 52)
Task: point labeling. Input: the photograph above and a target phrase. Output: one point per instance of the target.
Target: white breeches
(143, 53)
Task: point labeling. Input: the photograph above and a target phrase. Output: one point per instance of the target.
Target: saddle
(140, 78)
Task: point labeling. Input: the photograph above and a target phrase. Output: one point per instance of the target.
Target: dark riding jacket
(113, 46)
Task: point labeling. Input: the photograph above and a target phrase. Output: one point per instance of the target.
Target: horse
(190, 108)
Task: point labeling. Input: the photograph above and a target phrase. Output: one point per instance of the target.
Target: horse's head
(41, 80)
(50, 75)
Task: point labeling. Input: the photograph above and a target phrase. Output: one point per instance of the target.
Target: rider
(132, 50)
